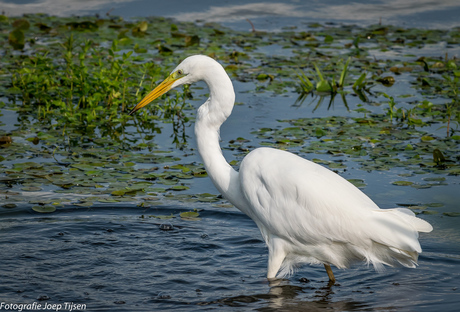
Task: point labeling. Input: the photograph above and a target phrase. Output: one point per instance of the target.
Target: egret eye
(180, 72)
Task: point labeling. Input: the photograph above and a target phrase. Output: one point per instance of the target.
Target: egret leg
(274, 263)
(276, 257)
(329, 273)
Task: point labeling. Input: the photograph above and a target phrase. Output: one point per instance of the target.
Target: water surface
(112, 259)
(265, 15)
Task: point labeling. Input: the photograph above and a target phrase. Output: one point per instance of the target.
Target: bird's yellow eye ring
(180, 72)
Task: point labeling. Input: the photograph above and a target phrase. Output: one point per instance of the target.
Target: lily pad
(179, 188)
(118, 193)
(452, 214)
(189, 214)
(162, 217)
(357, 182)
(403, 183)
(92, 149)
(427, 138)
(44, 209)
(17, 39)
(21, 24)
(31, 188)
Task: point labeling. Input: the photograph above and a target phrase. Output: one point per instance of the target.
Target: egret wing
(298, 199)
(311, 207)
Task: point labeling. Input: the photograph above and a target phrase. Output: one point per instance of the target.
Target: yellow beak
(161, 89)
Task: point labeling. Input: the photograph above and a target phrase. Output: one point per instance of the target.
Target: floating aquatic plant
(71, 80)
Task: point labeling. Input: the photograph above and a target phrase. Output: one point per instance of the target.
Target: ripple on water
(111, 256)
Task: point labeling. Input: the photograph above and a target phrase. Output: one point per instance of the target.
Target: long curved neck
(211, 115)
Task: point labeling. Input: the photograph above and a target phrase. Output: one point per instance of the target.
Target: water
(111, 259)
(265, 15)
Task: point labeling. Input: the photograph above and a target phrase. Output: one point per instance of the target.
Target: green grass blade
(359, 82)
(344, 73)
(318, 71)
(306, 84)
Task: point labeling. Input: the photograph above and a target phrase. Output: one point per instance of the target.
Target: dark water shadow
(282, 296)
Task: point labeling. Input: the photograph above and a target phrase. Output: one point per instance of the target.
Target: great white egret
(305, 212)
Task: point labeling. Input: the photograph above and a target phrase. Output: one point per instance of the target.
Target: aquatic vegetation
(323, 86)
(68, 83)
(452, 109)
(374, 145)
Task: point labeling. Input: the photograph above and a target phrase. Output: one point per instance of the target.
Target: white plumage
(305, 212)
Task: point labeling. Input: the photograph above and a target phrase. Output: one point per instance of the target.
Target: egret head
(188, 71)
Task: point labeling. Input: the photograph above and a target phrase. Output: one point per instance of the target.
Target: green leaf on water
(427, 138)
(435, 205)
(359, 82)
(206, 197)
(262, 76)
(421, 186)
(429, 212)
(184, 168)
(438, 157)
(83, 26)
(452, 214)
(44, 209)
(179, 188)
(16, 39)
(357, 182)
(454, 171)
(319, 132)
(137, 49)
(409, 147)
(21, 24)
(189, 214)
(437, 179)
(125, 41)
(162, 217)
(402, 183)
(118, 193)
(180, 175)
(107, 200)
(31, 188)
(328, 39)
(83, 166)
(223, 206)
(386, 81)
(192, 40)
(85, 204)
(162, 49)
(143, 26)
(323, 86)
(140, 29)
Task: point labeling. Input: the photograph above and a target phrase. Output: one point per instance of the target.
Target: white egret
(305, 212)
